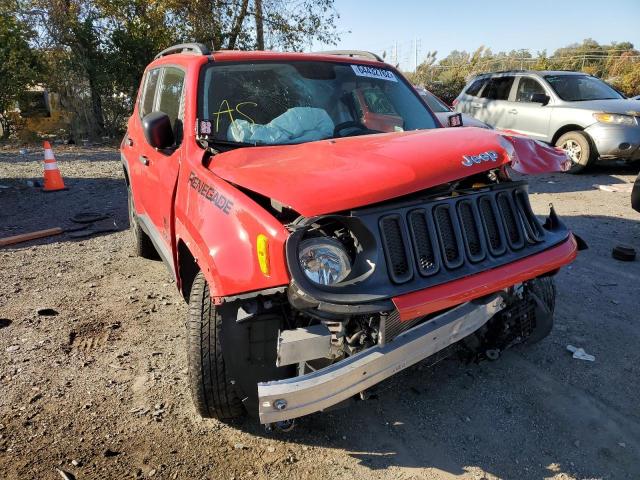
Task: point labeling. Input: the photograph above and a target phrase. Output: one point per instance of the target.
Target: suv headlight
(324, 260)
(615, 118)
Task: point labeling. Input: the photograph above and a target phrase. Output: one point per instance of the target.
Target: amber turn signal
(262, 246)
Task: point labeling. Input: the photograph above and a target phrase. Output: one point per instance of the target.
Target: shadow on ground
(27, 209)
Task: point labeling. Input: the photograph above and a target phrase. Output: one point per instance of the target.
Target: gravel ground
(99, 390)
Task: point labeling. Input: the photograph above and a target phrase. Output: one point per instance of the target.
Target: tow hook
(492, 354)
(283, 426)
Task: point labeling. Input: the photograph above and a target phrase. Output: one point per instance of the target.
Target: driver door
(160, 168)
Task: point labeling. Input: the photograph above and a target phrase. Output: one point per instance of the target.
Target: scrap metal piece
(302, 344)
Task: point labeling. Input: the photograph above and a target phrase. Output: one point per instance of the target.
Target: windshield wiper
(218, 146)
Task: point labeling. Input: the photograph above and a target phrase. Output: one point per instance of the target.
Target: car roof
(350, 57)
(539, 73)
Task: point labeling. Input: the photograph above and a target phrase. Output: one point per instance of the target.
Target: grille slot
(448, 235)
(470, 223)
(511, 221)
(492, 225)
(421, 235)
(395, 245)
(532, 226)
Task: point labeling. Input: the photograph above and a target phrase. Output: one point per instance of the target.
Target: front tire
(213, 394)
(543, 291)
(578, 147)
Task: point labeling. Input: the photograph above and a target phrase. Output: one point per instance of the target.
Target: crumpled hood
(329, 176)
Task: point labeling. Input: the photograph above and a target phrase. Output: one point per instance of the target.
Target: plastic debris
(624, 187)
(580, 354)
(625, 253)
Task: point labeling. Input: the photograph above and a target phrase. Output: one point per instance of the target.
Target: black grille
(421, 234)
(448, 236)
(469, 229)
(395, 247)
(511, 223)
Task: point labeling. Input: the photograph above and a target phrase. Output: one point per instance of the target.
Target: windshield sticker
(204, 127)
(373, 72)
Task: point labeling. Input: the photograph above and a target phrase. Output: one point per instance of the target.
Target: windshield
(578, 88)
(283, 103)
(435, 104)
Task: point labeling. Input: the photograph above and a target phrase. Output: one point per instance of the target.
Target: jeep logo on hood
(490, 156)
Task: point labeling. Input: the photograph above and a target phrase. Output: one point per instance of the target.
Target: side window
(150, 84)
(527, 87)
(475, 87)
(170, 98)
(498, 88)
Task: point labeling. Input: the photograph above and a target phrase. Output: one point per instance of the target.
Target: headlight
(615, 118)
(324, 260)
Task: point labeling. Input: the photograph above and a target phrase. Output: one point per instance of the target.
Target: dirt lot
(99, 390)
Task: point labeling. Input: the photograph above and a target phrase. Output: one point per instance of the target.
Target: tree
(19, 65)
(97, 50)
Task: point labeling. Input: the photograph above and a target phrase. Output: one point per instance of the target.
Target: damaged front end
(465, 268)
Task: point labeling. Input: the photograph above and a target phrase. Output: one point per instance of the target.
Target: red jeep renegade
(324, 228)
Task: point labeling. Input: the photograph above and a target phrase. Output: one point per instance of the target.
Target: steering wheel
(351, 124)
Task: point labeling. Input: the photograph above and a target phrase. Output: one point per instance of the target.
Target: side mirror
(539, 98)
(157, 130)
(455, 120)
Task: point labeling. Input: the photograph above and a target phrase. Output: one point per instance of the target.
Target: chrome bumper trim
(298, 396)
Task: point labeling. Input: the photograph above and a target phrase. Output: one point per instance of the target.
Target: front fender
(220, 225)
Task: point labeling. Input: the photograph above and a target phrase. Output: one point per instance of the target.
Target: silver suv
(575, 111)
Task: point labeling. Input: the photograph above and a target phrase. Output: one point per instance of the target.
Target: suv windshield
(296, 102)
(578, 88)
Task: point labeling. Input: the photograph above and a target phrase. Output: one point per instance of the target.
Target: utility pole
(395, 54)
(415, 54)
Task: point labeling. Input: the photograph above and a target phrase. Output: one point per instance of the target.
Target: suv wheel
(544, 291)
(213, 394)
(142, 244)
(578, 147)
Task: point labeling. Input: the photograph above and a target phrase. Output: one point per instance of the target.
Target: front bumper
(446, 295)
(298, 396)
(615, 141)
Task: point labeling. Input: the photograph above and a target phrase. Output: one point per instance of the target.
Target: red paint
(333, 175)
(531, 156)
(440, 297)
(314, 178)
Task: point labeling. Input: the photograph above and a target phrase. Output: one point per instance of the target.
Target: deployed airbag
(296, 125)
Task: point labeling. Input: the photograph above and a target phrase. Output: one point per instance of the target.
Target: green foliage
(617, 63)
(19, 65)
(95, 51)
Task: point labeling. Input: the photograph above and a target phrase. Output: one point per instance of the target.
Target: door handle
(476, 105)
(513, 111)
(130, 142)
(143, 160)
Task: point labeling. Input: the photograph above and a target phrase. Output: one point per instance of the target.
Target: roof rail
(193, 48)
(353, 53)
(513, 70)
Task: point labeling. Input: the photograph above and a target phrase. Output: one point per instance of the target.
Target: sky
(377, 25)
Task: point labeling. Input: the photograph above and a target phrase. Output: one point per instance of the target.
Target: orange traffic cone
(52, 178)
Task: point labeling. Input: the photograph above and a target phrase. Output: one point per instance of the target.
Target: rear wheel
(213, 393)
(142, 244)
(579, 149)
